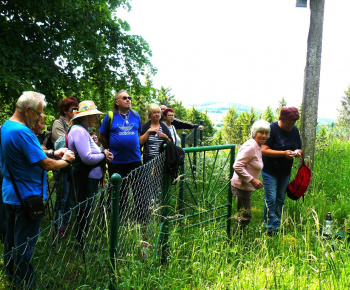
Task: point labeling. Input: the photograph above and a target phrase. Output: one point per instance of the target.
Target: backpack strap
(110, 119)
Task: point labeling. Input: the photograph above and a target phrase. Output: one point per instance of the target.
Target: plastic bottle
(328, 225)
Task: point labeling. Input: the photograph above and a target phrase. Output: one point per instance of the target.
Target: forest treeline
(83, 49)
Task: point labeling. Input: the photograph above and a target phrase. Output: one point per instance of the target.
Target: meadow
(298, 257)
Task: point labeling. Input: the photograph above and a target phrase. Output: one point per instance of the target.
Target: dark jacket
(181, 124)
(145, 127)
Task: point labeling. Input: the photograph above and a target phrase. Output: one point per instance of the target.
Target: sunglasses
(74, 109)
(125, 98)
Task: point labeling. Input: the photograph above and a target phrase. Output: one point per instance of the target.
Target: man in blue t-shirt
(22, 156)
(122, 139)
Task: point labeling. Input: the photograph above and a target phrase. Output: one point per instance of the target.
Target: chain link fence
(127, 222)
(60, 260)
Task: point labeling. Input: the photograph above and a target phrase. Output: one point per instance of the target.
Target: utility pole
(312, 79)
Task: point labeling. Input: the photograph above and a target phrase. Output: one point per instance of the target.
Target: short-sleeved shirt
(21, 152)
(281, 140)
(123, 137)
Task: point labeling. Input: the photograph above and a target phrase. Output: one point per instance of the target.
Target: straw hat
(86, 108)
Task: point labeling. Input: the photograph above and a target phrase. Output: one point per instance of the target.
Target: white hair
(30, 99)
(258, 126)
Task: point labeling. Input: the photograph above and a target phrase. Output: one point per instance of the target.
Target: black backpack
(175, 157)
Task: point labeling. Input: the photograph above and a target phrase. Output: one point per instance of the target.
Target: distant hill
(217, 111)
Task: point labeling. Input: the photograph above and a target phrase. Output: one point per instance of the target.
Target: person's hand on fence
(257, 183)
(69, 156)
(60, 152)
(200, 127)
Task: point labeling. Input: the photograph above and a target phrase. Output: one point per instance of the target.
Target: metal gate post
(229, 194)
(114, 230)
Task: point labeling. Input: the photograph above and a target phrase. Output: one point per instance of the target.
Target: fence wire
(60, 260)
(140, 216)
(190, 138)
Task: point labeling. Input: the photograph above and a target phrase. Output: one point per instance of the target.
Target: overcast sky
(251, 52)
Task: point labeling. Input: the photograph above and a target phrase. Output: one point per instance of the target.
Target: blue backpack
(62, 141)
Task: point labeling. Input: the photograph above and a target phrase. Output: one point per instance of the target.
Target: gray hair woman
(248, 166)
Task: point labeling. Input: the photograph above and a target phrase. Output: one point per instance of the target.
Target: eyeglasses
(95, 137)
(125, 98)
(38, 114)
(74, 109)
(170, 115)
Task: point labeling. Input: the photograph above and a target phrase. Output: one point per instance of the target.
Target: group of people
(270, 151)
(25, 159)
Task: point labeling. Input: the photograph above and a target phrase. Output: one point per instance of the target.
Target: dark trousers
(21, 232)
(85, 189)
(123, 170)
(244, 206)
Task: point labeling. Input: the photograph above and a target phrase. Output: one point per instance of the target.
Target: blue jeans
(275, 192)
(63, 199)
(21, 232)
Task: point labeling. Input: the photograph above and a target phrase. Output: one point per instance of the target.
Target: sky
(250, 52)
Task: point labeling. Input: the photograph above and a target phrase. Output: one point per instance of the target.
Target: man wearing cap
(180, 124)
(122, 139)
(22, 157)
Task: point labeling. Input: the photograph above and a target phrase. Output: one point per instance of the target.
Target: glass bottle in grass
(327, 231)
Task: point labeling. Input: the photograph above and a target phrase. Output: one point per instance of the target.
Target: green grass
(204, 258)
(297, 258)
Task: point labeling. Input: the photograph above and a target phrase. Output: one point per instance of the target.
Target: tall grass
(297, 258)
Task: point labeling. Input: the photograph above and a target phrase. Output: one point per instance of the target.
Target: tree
(281, 103)
(63, 48)
(165, 97)
(229, 125)
(195, 116)
(312, 79)
(344, 113)
(268, 115)
(244, 124)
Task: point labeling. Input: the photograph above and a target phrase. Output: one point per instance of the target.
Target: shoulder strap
(15, 186)
(12, 179)
(110, 119)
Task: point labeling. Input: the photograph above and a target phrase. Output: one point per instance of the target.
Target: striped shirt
(154, 143)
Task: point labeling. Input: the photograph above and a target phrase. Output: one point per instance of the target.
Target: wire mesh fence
(194, 138)
(146, 211)
(203, 194)
(62, 259)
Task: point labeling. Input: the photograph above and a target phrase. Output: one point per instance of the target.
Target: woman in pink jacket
(248, 166)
